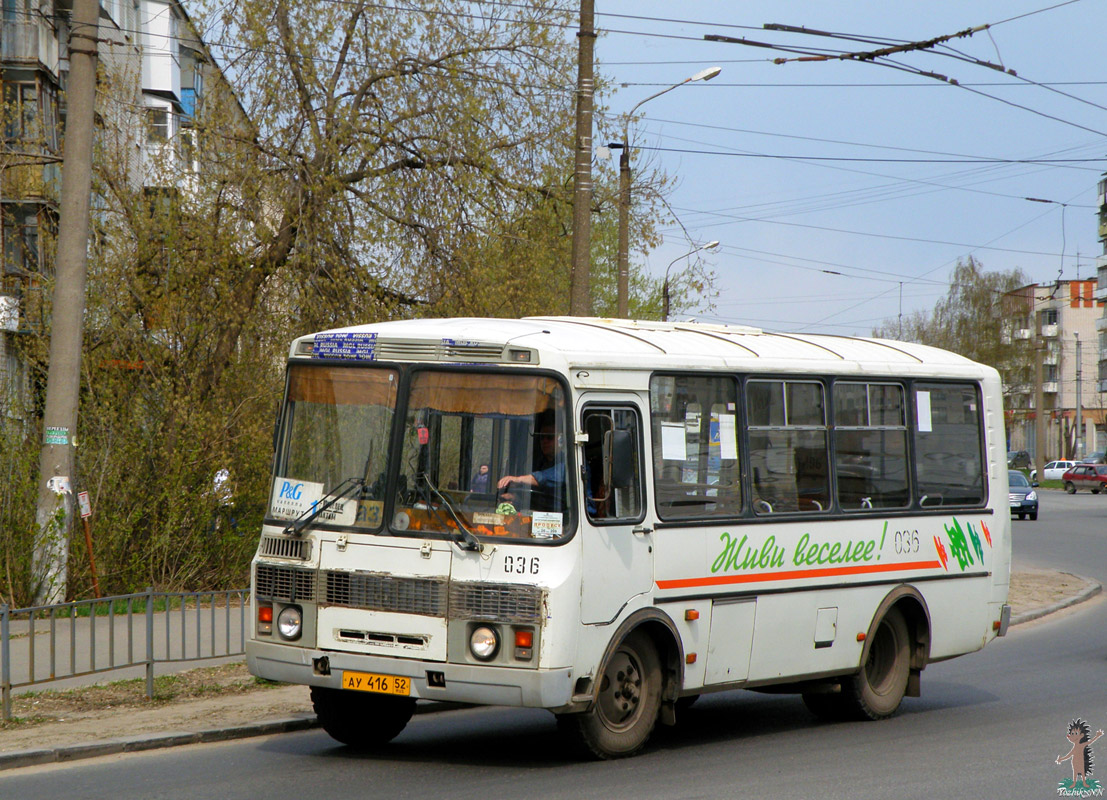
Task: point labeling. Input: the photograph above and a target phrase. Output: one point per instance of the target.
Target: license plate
(371, 682)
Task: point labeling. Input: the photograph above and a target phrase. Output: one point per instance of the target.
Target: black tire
(361, 720)
(626, 709)
(1070, 487)
(877, 690)
(1095, 490)
(1033, 516)
(1022, 515)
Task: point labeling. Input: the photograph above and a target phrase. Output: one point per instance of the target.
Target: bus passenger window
(949, 462)
(788, 446)
(612, 459)
(695, 446)
(870, 437)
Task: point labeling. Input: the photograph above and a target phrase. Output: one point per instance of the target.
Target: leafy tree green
(974, 319)
(371, 163)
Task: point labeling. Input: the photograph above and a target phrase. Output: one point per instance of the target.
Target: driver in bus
(549, 475)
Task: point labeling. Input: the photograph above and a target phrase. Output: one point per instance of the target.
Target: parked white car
(1053, 470)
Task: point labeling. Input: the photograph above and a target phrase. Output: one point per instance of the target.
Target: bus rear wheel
(361, 720)
(877, 690)
(627, 705)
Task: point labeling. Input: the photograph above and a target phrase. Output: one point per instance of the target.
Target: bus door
(617, 548)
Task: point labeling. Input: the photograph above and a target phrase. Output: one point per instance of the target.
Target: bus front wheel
(627, 705)
(876, 691)
(359, 719)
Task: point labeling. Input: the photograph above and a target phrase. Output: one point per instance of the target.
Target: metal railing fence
(42, 644)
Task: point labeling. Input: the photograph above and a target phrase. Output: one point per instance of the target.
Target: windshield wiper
(465, 538)
(296, 527)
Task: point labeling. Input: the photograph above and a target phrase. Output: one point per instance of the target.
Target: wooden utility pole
(580, 292)
(57, 461)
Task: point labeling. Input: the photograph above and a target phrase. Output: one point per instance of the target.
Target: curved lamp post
(622, 289)
(665, 288)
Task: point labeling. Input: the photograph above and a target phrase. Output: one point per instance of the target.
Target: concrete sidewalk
(1034, 594)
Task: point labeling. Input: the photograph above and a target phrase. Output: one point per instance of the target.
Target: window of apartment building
(21, 114)
(157, 124)
(1049, 373)
(17, 11)
(20, 240)
(30, 114)
(1049, 316)
(187, 141)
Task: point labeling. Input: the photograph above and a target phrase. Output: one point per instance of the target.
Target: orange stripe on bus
(862, 569)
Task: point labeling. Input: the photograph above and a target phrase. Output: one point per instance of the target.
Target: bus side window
(788, 446)
(612, 464)
(695, 446)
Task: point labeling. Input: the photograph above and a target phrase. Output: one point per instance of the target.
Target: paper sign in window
(922, 403)
(728, 438)
(672, 441)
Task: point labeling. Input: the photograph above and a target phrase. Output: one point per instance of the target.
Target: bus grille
(426, 596)
(285, 583)
(504, 602)
(499, 602)
(283, 547)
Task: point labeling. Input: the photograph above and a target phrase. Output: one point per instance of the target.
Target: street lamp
(665, 288)
(622, 289)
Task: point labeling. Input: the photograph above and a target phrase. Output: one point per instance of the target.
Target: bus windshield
(486, 451)
(337, 424)
(481, 453)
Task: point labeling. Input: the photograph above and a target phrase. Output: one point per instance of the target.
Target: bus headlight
(484, 643)
(290, 622)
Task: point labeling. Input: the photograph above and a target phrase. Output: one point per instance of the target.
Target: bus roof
(627, 344)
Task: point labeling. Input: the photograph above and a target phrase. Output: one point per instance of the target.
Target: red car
(1086, 476)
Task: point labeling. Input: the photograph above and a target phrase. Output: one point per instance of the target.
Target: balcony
(1024, 333)
(32, 43)
(1101, 323)
(1050, 331)
(1051, 357)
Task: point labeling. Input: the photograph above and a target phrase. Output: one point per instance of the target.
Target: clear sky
(880, 175)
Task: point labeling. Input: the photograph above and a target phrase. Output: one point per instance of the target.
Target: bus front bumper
(430, 680)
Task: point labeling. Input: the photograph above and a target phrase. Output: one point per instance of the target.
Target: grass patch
(32, 708)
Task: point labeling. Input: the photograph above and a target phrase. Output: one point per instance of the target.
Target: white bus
(608, 518)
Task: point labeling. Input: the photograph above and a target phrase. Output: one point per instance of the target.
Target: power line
(875, 193)
(981, 160)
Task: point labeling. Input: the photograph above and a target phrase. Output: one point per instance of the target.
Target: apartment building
(1059, 321)
(151, 78)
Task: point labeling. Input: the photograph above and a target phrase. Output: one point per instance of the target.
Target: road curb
(158, 741)
(1090, 590)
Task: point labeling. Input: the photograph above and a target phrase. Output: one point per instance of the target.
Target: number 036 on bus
(608, 518)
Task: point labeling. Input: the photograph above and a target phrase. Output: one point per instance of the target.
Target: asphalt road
(988, 725)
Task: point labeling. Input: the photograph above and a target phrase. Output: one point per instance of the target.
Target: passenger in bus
(480, 480)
